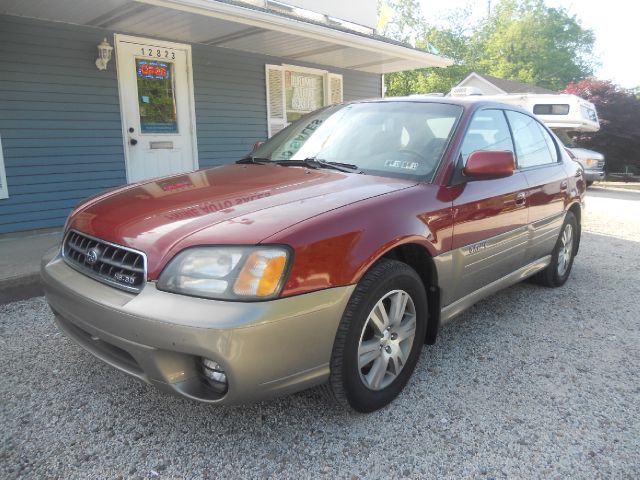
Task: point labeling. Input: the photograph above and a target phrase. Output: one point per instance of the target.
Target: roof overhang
(238, 27)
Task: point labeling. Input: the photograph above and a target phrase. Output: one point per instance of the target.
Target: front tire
(379, 338)
(557, 273)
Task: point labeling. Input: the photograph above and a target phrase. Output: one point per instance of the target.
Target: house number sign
(158, 53)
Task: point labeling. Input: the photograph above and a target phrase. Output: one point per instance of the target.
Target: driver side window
(488, 130)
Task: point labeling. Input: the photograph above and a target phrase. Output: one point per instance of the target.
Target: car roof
(471, 102)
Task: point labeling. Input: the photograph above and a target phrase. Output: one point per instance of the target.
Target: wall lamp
(104, 54)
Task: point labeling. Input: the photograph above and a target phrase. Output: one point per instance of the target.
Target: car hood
(583, 154)
(233, 204)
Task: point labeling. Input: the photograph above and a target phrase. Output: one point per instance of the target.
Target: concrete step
(20, 255)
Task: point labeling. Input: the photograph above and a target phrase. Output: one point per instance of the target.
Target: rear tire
(379, 338)
(557, 273)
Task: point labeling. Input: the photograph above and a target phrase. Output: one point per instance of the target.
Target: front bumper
(594, 175)
(266, 348)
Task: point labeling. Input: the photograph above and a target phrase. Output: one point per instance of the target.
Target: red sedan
(329, 255)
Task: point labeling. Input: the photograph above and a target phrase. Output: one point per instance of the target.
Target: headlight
(227, 273)
(591, 162)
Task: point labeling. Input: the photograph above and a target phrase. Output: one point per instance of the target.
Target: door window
(488, 130)
(534, 146)
(156, 96)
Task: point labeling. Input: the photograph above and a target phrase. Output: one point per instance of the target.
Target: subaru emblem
(92, 256)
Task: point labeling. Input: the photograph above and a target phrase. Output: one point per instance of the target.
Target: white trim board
(269, 21)
(4, 188)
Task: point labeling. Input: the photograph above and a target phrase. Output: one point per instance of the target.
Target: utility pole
(488, 8)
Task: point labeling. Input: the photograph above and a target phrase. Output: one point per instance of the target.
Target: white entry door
(156, 101)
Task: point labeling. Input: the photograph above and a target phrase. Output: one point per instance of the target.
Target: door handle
(521, 199)
(133, 141)
(563, 185)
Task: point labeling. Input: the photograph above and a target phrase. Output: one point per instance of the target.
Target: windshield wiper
(258, 160)
(310, 162)
(316, 163)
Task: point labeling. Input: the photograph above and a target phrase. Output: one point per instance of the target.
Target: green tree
(406, 23)
(527, 41)
(409, 26)
(521, 40)
(619, 113)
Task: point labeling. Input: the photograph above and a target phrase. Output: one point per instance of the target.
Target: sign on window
(295, 91)
(156, 99)
(304, 93)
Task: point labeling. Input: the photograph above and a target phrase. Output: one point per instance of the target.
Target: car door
(538, 158)
(490, 216)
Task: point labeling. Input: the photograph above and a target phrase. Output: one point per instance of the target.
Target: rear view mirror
(483, 165)
(257, 145)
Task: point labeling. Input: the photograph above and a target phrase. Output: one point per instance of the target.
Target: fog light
(215, 375)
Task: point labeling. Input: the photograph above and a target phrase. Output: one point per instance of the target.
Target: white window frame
(4, 188)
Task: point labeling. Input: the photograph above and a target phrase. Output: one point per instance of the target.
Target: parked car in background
(329, 255)
(592, 161)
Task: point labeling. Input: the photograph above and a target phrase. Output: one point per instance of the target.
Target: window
(304, 93)
(588, 113)
(564, 137)
(292, 92)
(534, 145)
(551, 109)
(488, 130)
(156, 98)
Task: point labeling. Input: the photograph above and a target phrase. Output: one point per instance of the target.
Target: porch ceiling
(233, 26)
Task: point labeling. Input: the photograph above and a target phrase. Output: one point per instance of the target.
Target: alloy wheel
(566, 249)
(386, 339)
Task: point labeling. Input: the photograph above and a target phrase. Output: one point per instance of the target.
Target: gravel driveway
(530, 383)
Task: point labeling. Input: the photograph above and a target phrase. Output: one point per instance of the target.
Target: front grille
(600, 164)
(118, 266)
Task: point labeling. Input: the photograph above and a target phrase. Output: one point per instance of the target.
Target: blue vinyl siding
(231, 111)
(59, 122)
(60, 118)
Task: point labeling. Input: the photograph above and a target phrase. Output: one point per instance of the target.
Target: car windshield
(395, 139)
(564, 137)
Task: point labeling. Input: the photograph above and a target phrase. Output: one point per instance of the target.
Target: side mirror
(484, 165)
(257, 145)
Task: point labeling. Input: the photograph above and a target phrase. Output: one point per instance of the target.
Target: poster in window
(304, 93)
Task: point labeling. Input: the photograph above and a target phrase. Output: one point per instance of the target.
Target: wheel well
(577, 212)
(418, 258)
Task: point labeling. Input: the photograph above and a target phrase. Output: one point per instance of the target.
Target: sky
(614, 22)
